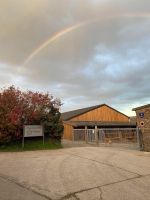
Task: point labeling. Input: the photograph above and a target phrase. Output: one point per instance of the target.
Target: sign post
(32, 131)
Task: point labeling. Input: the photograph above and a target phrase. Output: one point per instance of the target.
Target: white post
(86, 136)
(96, 135)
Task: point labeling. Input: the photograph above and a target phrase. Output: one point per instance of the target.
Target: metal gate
(84, 135)
(91, 136)
(108, 136)
(79, 134)
(120, 135)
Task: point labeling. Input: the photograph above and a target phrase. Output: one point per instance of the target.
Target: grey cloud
(105, 60)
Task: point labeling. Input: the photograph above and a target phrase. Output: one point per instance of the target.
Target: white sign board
(33, 130)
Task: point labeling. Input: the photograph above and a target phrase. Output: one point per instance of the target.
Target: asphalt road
(85, 173)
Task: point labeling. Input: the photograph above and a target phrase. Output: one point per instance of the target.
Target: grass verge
(30, 145)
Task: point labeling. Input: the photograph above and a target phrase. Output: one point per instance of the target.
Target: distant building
(143, 122)
(100, 116)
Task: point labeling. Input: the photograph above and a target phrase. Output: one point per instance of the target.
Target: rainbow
(52, 39)
(72, 28)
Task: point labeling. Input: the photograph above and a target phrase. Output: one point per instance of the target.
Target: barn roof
(101, 123)
(74, 113)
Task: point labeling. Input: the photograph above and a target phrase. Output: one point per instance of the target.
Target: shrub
(18, 108)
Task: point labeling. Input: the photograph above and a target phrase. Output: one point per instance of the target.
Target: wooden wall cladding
(103, 113)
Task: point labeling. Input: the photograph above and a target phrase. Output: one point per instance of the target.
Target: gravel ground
(77, 173)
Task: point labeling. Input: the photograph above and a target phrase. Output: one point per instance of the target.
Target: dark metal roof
(74, 113)
(100, 123)
(141, 107)
(70, 114)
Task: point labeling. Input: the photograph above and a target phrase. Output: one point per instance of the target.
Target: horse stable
(98, 119)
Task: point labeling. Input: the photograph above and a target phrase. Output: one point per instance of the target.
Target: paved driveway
(84, 173)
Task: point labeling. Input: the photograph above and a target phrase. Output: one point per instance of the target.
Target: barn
(94, 118)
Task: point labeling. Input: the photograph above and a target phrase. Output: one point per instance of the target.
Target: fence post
(73, 134)
(139, 138)
(86, 136)
(120, 135)
(96, 135)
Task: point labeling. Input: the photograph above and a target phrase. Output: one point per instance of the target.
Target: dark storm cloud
(104, 61)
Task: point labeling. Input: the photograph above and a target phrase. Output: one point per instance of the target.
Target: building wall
(145, 128)
(68, 130)
(103, 113)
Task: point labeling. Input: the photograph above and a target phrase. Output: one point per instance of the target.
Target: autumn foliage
(18, 108)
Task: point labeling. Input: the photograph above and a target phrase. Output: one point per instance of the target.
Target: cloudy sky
(85, 52)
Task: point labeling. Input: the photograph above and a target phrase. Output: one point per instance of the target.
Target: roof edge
(93, 108)
(141, 107)
(99, 123)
